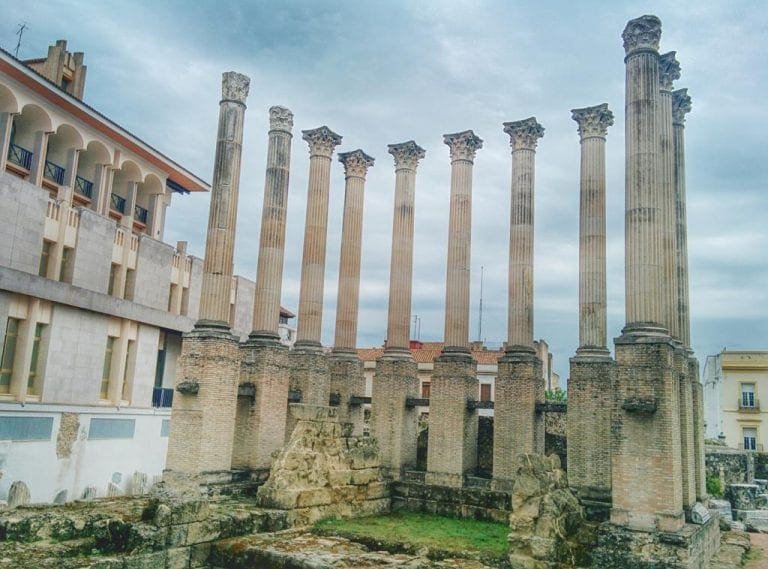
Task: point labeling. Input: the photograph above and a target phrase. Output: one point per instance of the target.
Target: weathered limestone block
(742, 496)
(90, 493)
(323, 469)
(19, 494)
(139, 484)
(547, 525)
(348, 380)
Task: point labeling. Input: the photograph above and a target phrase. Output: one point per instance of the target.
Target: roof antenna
(480, 319)
(20, 33)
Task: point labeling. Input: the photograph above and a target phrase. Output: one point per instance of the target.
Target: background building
(92, 301)
(734, 383)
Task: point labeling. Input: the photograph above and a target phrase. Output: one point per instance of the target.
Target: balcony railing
(140, 214)
(117, 203)
(83, 187)
(53, 172)
(20, 156)
(748, 405)
(162, 397)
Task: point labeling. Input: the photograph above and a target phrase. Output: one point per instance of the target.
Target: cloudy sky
(385, 72)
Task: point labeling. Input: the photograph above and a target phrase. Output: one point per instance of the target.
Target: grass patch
(408, 532)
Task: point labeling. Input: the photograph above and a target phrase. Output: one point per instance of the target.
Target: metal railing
(140, 214)
(746, 404)
(117, 203)
(53, 172)
(20, 156)
(83, 187)
(162, 397)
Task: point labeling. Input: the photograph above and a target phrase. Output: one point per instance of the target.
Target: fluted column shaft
(523, 137)
(356, 166)
(220, 241)
(643, 217)
(269, 271)
(463, 147)
(406, 156)
(669, 70)
(593, 127)
(681, 105)
(321, 141)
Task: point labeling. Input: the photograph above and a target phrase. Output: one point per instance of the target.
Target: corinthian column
(669, 71)
(347, 377)
(649, 367)
(264, 366)
(523, 136)
(309, 367)
(269, 271)
(395, 424)
(644, 216)
(220, 243)
(591, 384)
(206, 385)
(452, 448)
(518, 429)
(321, 142)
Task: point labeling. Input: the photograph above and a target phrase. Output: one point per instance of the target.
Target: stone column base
(204, 405)
(591, 404)
(452, 447)
(347, 380)
(518, 428)
(646, 476)
(263, 404)
(394, 425)
(691, 547)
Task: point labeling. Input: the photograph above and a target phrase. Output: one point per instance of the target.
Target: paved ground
(760, 543)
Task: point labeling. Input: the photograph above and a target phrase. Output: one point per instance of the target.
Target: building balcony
(117, 203)
(84, 187)
(19, 156)
(748, 406)
(53, 172)
(140, 214)
(162, 397)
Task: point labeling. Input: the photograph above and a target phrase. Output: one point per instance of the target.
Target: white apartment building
(92, 301)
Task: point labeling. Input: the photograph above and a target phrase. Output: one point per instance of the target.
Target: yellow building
(736, 398)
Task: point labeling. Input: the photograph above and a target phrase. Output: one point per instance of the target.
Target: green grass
(411, 532)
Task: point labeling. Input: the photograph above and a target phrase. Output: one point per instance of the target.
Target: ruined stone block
(18, 495)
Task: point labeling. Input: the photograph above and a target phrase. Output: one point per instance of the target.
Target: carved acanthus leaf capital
(406, 154)
(234, 87)
(524, 134)
(356, 163)
(681, 106)
(280, 118)
(593, 121)
(321, 141)
(642, 33)
(669, 70)
(463, 145)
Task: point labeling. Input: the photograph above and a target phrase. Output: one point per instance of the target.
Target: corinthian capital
(406, 154)
(593, 121)
(524, 134)
(280, 119)
(669, 70)
(463, 145)
(642, 33)
(234, 87)
(356, 163)
(321, 141)
(681, 106)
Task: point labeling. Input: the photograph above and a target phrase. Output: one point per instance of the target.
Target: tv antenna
(480, 318)
(417, 326)
(19, 32)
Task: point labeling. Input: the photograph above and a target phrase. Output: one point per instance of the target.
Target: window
(130, 284)
(425, 389)
(750, 439)
(107, 370)
(485, 392)
(171, 294)
(748, 395)
(184, 301)
(112, 276)
(26, 428)
(127, 378)
(44, 256)
(67, 260)
(33, 382)
(111, 428)
(8, 354)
